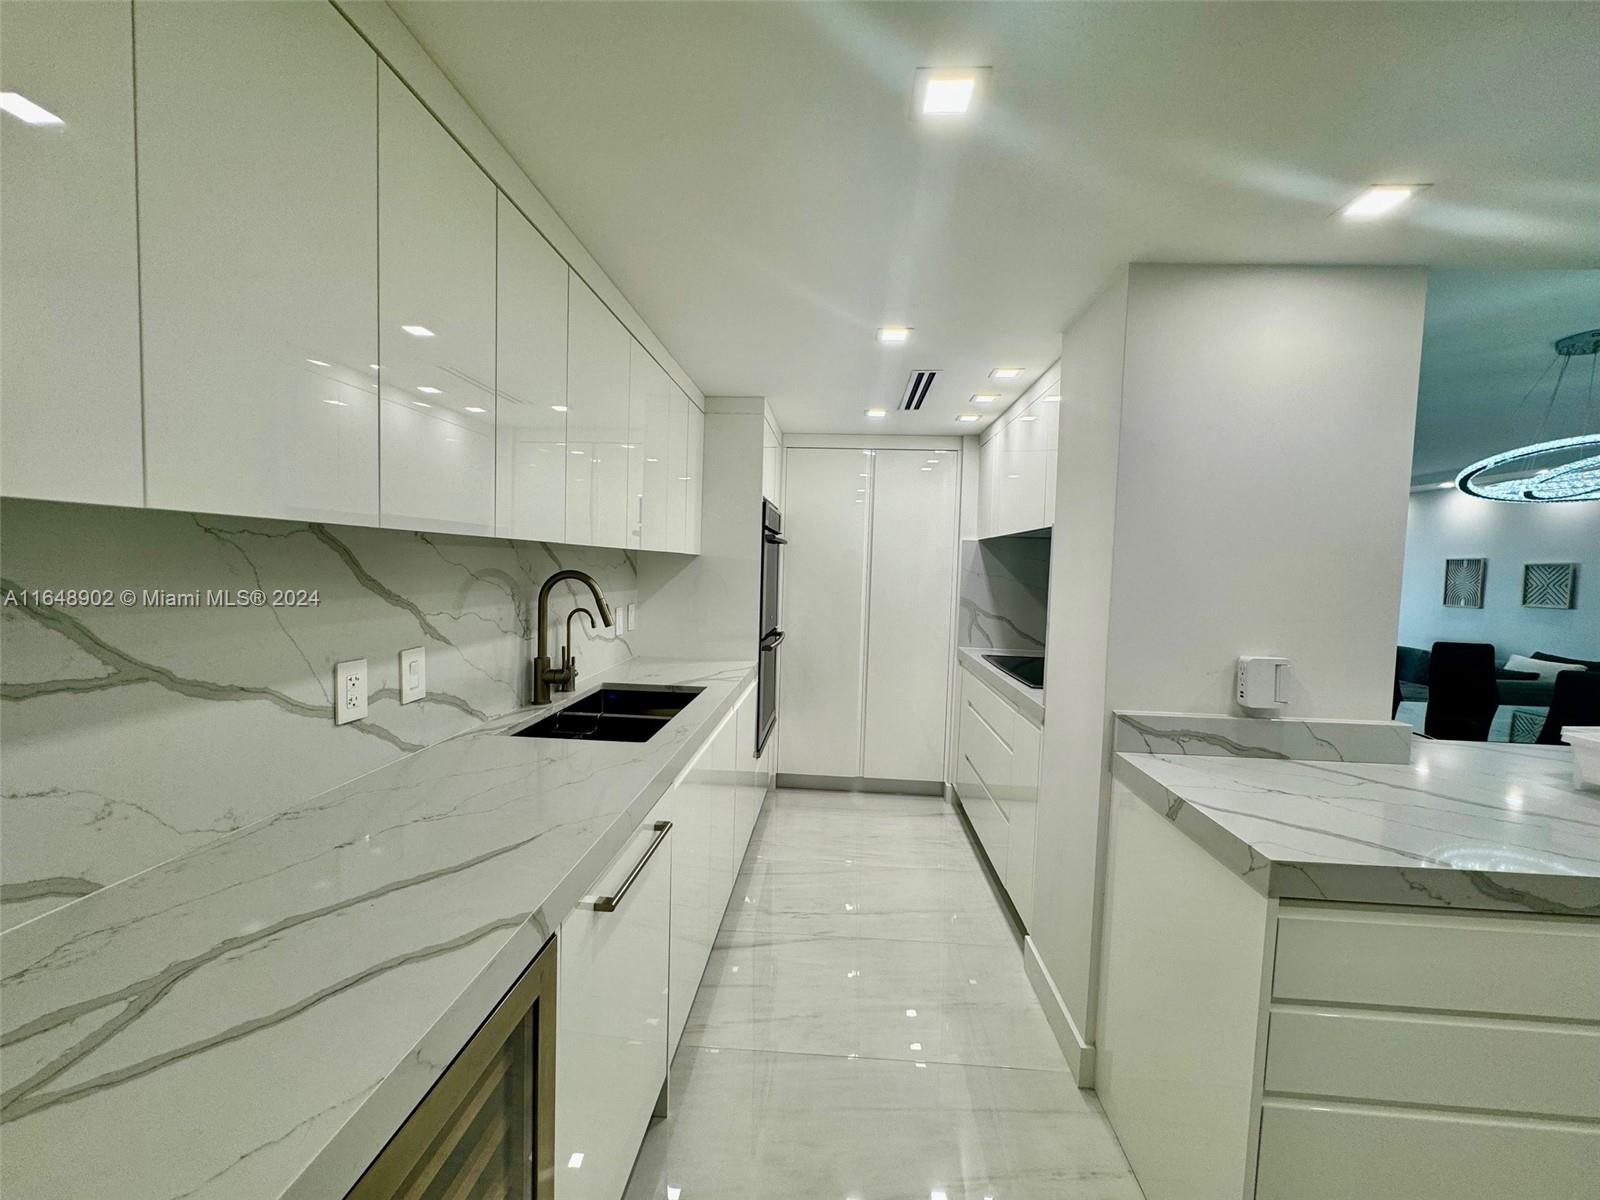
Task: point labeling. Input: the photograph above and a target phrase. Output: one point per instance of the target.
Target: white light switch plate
(349, 691)
(413, 674)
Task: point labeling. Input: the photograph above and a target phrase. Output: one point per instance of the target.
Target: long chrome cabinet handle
(609, 903)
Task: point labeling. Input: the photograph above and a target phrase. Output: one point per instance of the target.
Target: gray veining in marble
(866, 1029)
(1029, 701)
(131, 734)
(254, 1019)
(1004, 584)
(1463, 825)
(1306, 739)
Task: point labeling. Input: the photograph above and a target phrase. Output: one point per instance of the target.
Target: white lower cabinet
(997, 781)
(611, 1020)
(751, 780)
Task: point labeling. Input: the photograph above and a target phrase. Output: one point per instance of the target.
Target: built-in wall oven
(770, 631)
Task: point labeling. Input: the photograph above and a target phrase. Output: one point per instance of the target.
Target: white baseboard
(1079, 1053)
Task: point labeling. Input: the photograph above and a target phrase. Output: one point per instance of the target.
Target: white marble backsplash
(133, 733)
(1004, 584)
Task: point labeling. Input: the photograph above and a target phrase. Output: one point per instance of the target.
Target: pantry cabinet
(436, 323)
(69, 270)
(868, 608)
(259, 260)
(530, 383)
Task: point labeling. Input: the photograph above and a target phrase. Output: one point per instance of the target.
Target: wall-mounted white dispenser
(1263, 684)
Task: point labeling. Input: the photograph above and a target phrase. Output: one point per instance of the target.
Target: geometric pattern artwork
(1549, 585)
(1463, 582)
(1527, 724)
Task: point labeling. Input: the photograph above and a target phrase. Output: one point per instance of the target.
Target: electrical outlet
(413, 674)
(349, 691)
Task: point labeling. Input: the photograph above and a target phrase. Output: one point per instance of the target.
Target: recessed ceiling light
(1379, 201)
(473, 408)
(430, 391)
(23, 109)
(417, 330)
(948, 95)
(317, 362)
(1005, 373)
(558, 408)
(877, 414)
(985, 398)
(575, 1161)
(894, 335)
(968, 418)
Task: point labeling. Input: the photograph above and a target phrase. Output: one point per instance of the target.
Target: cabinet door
(259, 260)
(611, 1022)
(1049, 409)
(689, 807)
(824, 610)
(652, 407)
(530, 383)
(677, 470)
(69, 271)
(436, 322)
(696, 437)
(1021, 806)
(989, 486)
(598, 360)
(915, 496)
(752, 784)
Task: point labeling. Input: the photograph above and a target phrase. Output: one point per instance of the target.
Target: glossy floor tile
(865, 1030)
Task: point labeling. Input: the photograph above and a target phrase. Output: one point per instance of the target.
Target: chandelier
(1547, 472)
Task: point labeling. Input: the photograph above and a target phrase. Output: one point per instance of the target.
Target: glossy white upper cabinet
(436, 322)
(611, 1021)
(1017, 462)
(771, 465)
(650, 417)
(258, 225)
(599, 358)
(69, 301)
(696, 436)
(531, 382)
(677, 469)
(827, 496)
(915, 521)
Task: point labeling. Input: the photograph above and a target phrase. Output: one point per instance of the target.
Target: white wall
(1235, 462)
(1449, 524)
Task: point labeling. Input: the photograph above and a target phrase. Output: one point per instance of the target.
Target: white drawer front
(989, 823)
(987, 749)
(1312, 1152)
(997, 714)
(1436, 1060)
(1514, 966)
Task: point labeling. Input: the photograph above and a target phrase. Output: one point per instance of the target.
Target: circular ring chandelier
(1551, 472)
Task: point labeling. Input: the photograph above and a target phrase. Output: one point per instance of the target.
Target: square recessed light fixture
(1006, 373)
(25, 110)
(1379, 200)
(985, 398)
(948, 91)
(877, 414)
(894, 335)
(430, 391)
(968, 418)
(417, 330)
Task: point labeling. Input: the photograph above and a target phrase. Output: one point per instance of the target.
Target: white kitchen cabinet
(650, 416)
(436, 322)
(1017, 463)
(752, 783)
(997, 782)
(259, 260)
(599, 354)
(771, 464)
(69, 299)
(695, 489)
(530, 382)
(825, 518)
(611, 1020)
(677, 469)
(910, 609)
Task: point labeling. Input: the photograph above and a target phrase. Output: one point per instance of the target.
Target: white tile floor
(865, 1031)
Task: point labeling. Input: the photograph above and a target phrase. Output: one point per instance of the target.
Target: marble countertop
(253, 1020)
(1463, 825)
(1029, 701)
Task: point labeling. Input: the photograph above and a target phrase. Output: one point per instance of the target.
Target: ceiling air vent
(917, 389)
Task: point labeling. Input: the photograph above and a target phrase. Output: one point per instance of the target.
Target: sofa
(1519, 689)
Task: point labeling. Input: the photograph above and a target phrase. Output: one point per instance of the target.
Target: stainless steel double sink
(613, 713)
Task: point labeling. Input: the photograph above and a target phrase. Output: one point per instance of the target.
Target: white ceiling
(752, 176)
(1489, 366)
